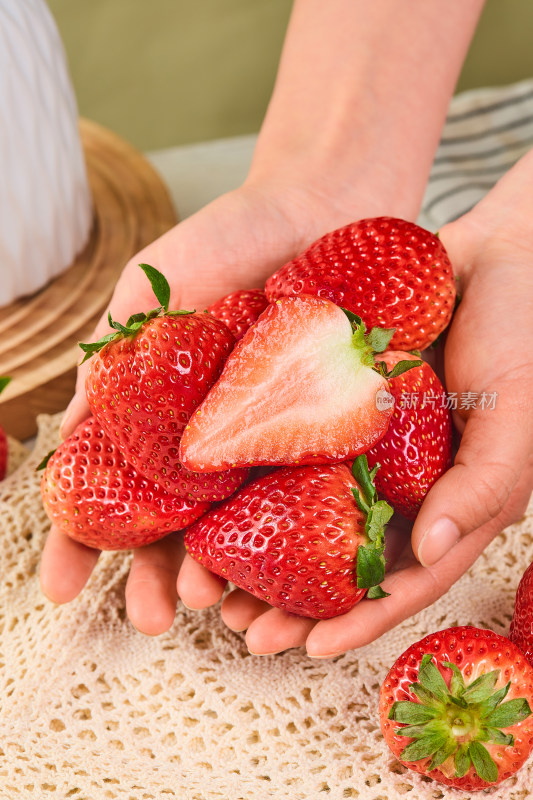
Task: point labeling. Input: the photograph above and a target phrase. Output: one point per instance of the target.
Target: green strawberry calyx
(398, 369)
(44, 463)
(449, 724)
(161, 289)
(376, 341)
(370, 556)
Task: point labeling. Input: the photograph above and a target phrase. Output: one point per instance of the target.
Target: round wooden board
(39, 334)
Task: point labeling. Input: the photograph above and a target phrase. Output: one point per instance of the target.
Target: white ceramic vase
(45, 202)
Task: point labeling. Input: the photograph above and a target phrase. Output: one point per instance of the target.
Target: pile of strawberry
(265, 426)
(264, 429)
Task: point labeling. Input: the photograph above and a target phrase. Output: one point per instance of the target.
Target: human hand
(234, 243)
(338, 144)
(488, 349)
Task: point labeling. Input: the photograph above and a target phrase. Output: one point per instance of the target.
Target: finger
(151, 595)
(78, 407)
(66, 566)
(410, 590)
(276, 631)
(197, 587)
(239, 609)
(494, 451)
(76, 411)
(397, 540)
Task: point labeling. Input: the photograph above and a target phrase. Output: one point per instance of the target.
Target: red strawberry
(521, 632)
(145, 381)
(239, 310)
(4, 449)
(457, 706)
(390, 272)
(92, 493)
(305, 539)
(299, 388)
(417, 447)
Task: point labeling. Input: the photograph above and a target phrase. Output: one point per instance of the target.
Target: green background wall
(168, 72)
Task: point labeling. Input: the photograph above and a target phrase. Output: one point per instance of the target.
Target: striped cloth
(486, 132)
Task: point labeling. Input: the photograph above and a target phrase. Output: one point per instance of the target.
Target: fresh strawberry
(521, 632)
(417, 447)
(457, 706)
(239, 310)
(147, 378)
(390, 272)
(299, 388)
(308, 539)
(4, 449)
(92, 494)
(208, 487)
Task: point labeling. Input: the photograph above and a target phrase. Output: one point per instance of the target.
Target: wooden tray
(39, 334)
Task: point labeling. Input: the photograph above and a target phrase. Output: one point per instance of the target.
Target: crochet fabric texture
(92, 709)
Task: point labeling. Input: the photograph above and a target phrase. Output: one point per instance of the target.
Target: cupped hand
(234, 243)
(488, 359)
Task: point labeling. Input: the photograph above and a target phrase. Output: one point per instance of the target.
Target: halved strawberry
(417, 447)
(299, 388)
(94, 496)
(239, 310)
(308, 540)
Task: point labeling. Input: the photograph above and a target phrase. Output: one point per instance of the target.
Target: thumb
(493, 453)
(78, 407)
(76, 411)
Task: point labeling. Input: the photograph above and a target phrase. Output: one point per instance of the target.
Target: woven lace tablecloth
(91, 709)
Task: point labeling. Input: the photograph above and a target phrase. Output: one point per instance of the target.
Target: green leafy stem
(450, 724)
(377, 341)
(161, 290)
(371, 556)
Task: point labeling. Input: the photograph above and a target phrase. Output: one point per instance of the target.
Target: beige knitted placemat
(91, 709)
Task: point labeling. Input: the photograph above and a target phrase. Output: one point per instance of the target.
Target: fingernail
(437, 541)
(327, 655)
(190, 608)
(273, 653)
